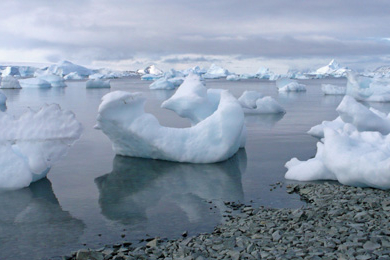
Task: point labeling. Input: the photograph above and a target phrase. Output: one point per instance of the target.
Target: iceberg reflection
(137, 188)
(33, 218)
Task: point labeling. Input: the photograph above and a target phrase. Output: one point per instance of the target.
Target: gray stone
(85, 254)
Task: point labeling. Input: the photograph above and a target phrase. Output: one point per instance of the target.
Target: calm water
(92, 197)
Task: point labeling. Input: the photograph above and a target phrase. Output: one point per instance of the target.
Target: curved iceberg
(32, 143)
(254, 102)
(9, 82)
(135, 133)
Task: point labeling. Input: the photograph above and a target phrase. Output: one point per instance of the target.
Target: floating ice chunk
(254, 102)
(9, 82)
(162, 83)
(54, 80)
(368, 89)
(152, 69)
(289, 85)
(31, 144)
(176, 81)
(233, 77)
(247, 76)
(65, 68)
(329, 89)
(318, 130)
(216, 72)
(10, 70)
(34, 83)
(3, 98)
(150, 77)
(27, 71)
(332, 69)
(195, 70)
(98, 83)
(135, 133)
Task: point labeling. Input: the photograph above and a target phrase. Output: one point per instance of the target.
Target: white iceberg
(9, 82)
(32, 143)
(10, 70)
(135, 133)
(329, 89)
(54, 80)
(162, 83)
(332, 69)
(34, 83)
(27, 71)
(216, 72)
(98, 83)
(264, 73)
(233, 77)
(73, 76)
(254, 102)
(289, 85)
(152, 69)
(355, 149)
(65, 68)
(352, 112)
(368, 89)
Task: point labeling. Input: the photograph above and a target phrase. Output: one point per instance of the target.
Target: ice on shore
(98, 83)
(352, 112)
(34, 83)
(32, 143)
(54, 80)
(368, 89)
(289, 85)
(9, 82)
(135, 133)
(355, 149)
(254, 102)
(216, 72)
(329, 89)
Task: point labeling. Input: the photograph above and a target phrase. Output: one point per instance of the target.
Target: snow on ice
(355, 149)
(32, 143)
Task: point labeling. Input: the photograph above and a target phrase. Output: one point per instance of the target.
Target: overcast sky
(239, 35)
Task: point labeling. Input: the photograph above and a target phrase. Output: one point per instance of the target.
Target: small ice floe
(98, 83)
(136, 133)
(329, 89)
(355, 149)
(34, 83)
(254, 102)
(9, 82)
(289, 85)
(162, 83)
(233, 77)
(216, 72)
(32, 143)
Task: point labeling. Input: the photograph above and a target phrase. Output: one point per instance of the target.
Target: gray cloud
(118, 30)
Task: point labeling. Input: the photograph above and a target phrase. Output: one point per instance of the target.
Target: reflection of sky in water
(33, 218)
(163, 198)
(137, 189)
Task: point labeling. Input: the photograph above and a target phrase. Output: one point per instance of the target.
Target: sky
(240, 35)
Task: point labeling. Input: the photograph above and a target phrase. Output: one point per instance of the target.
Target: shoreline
(338, 222)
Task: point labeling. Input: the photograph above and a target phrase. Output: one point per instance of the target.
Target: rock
(153, 243)
(85, 254)
(371, 246)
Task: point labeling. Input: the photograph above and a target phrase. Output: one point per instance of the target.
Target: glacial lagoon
(93, 197)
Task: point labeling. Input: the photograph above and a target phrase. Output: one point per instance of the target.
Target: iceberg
(152, 69)
(355, 149)
(10, 70)
(216, 72)
(98, 83)
(289, 85)
(162, 83)
(368, 89)
(65, 68)
(247, 76)
(254, 102)
(9, 82)
(233, 77)
(74, 76)
(34, 83)
(27, 71)
(333, 69)
(54, 80)
(135, 133)
(32, 143)
(329, 89)
(352, 112)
